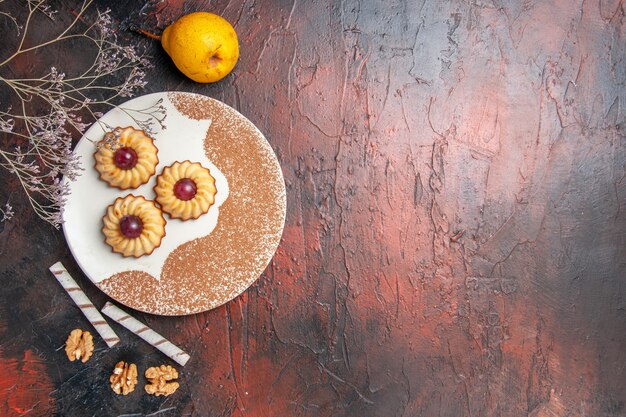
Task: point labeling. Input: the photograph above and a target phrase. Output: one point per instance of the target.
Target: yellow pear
(202, 45)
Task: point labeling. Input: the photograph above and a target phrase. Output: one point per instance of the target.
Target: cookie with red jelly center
(133, 226)
(185, 190)
(126, 158)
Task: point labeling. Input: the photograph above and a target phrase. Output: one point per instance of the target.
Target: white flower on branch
(6, 125)
(44, 137)
(6, 213)
(43, 8)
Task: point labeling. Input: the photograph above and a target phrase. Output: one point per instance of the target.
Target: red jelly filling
(131, 226)
(125, 158)
(185, 189)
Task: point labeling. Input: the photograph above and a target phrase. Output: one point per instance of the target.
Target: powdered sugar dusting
(209, 271)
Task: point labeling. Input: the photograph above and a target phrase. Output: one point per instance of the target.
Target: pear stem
(145, 33)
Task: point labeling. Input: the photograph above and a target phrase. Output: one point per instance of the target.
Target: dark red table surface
(455, 242)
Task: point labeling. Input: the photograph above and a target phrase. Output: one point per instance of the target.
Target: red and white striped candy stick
(81, 300)
(156, 340)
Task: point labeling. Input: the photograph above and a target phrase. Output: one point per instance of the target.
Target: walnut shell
(124, 378)
(158, 378)
(79, 345)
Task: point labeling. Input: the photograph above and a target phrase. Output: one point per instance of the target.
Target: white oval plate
(181, 139)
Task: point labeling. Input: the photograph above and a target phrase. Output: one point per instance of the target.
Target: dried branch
(43, 153)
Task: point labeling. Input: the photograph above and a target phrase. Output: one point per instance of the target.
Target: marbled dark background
(455, 242)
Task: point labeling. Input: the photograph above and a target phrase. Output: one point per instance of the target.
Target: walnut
(79, 345)
(124, 378)
(158, 378)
